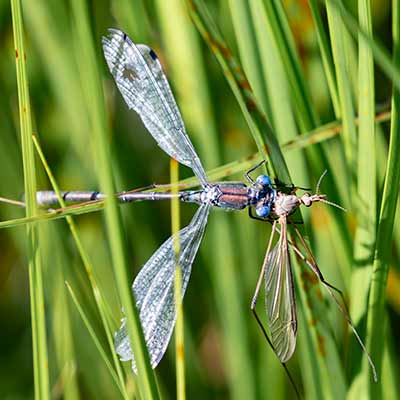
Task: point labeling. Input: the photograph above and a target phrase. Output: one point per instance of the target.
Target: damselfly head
(265, 195)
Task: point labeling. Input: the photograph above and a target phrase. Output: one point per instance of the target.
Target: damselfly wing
(145, 89)
(153, 289)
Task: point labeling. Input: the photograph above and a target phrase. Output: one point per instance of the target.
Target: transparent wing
(141, 81)
(280, 299)
(153, 290)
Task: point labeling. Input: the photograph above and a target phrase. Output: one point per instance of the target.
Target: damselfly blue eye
(263, 211)
(264, 180)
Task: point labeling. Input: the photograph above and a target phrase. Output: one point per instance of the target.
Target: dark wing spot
(153, 55)
(129, 73)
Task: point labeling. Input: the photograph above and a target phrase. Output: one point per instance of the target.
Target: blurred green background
(226, 355)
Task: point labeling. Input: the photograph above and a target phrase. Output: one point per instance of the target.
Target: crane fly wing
(145, 89)
(280, 299)
(153, 290)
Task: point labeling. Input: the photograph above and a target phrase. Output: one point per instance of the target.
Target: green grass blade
(324, 47)
(97, 116)
(307, 120)
(377, 299)
(262, 133)
(184, 54)
(314, 333)
(95, 338)
(278, 89)
(250, 57)
(364, 243)
(285, 48)
(325, 132)
(179, 332)
(188, 76)
(102, 307)
(61, 72)
(306, 115)
(133, 18)
(318, 135)
(381, 54)
(338, 39)
(57, 214)
(66, 385)
(39, 339)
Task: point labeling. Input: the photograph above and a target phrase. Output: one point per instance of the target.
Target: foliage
(305, 85)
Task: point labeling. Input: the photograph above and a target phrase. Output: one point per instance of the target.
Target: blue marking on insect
(153, 55)
(263, 210)
(264, 180)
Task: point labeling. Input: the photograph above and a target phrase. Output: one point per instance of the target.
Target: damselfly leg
(247, 174)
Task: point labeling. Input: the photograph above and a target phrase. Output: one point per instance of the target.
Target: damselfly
(144, 87)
